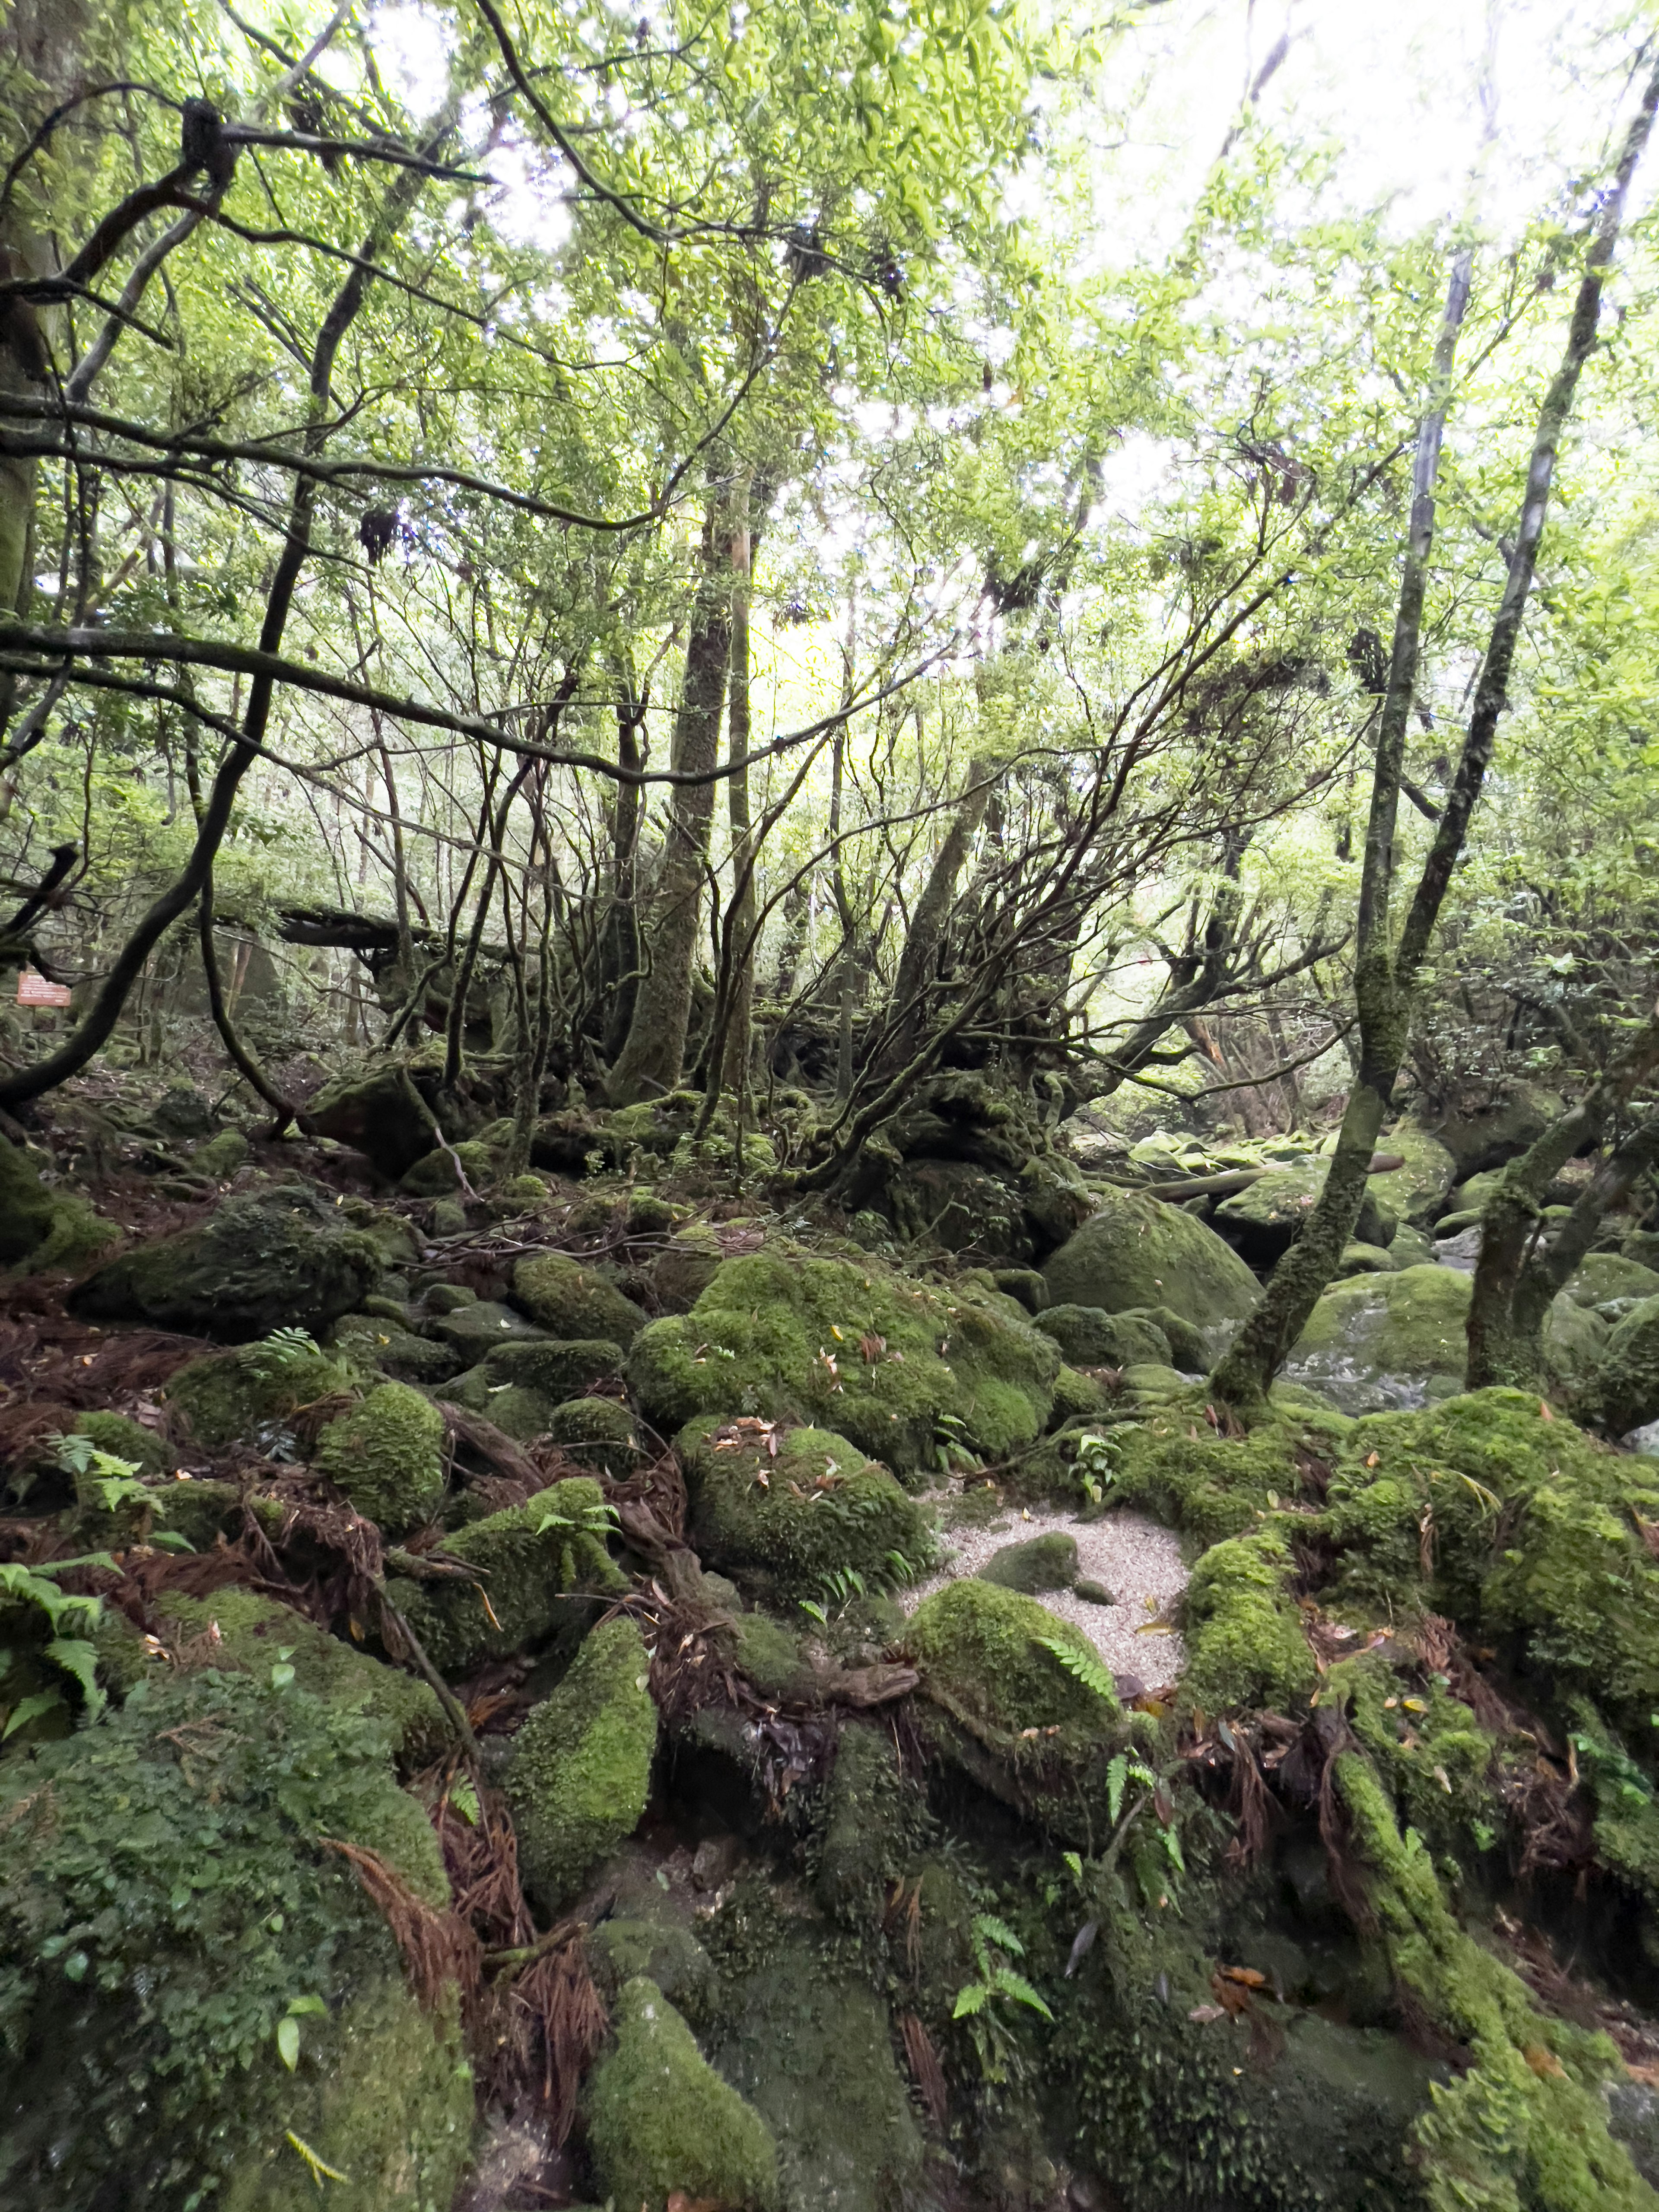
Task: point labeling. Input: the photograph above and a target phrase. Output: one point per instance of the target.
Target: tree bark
(649, 1063)
(737, 1055)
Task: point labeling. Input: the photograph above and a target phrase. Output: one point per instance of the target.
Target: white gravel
(1138, 1560)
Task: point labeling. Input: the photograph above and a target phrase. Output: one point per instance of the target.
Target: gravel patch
(1138, 1559)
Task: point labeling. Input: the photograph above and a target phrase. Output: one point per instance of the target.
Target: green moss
(599, 1433)
(883, 1360)
(1212, 1486)
(558, 1371)
(438, 1172)
(1603, 1276)
(250, 1395)
(1626, 1386)
(1525, 2130)
(1436, 1759)
(1077, 1398)
(569, 1300)
(253, 1630)
(1138, 1252)
(816, 1507)
(983, 1655)
(623, 1948)
(165, 1894)
(580, 1771)
(686, 1266)
(387, 1454)
(221, 1155)
(1244, 1642)
(1042, 1563)
(526, 1559)
(42, 1229)
(1383, 1340)
(1417, 1189)
(867, 1829)
(384, 2096)
(771, 1657)
(1089, 1336)
(376, 1344)
(661, 2119)
(124, 1439)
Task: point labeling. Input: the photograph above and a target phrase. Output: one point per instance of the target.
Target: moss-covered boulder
(661, 2121)
(141, 1448)
(167, 1900)
(1040, 1563)
(527, 1561)
(558, 1368)
(381, 1109)
(1137, 1251)
(221, 1156)
(892, 1363)
(515, 1410)
(253, 1633)
(1089, 1336)
(42, 1228)
(570, 1301)
(1416, 1189)
(387, 1454)
(377, 1344)
(1386, 1340)
(1608, 1277)
(987, 1656)
(581, 1770)
(282, 1258)
(686, 1266)
(1245, 1643)
(438, 1174)
(250, 1395)
(1359, 1259)
(1626, 1384)
(598, 1433)
(960, 1206)
(1264, 1220)
(477, 1328)
(788, 1519)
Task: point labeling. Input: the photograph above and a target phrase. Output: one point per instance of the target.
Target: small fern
(283, 1347)
(1085, 1664)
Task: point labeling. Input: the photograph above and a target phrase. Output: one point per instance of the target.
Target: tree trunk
(926, 933)
(649, 1063)
(737, 1052)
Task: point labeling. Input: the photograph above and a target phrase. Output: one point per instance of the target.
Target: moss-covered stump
(570, 1301)
(165, 1898)
(811, 2050)
(387, 1454)
(282, 1258)
(1378, 1342)
(1089, 1336)
(1138, 1252)
(254, 1634)
(251, 1395)
(528, 1561)
(598, 1433)
(894, 1365)
(42, 1229)
(662, 2121)
(581, 1769)
(1042, 1563)
(791, 1518)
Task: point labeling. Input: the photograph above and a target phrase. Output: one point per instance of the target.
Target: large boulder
(1264, 1220)
(1417, 1188)
(894, 1365)
(1375, 1342)
(581, 1769)
(387, 1454)
(569, 1300)
(41, 1227)
(1608, 1279)
(251, 1395)
(1089, 1336)
(987, 1656)
(960, 1206)
(1625, 1385)
(1486, 1136)
(790, 1511)
(282, 1258)
(383, 1111)
(662, 2124)
(167, 1893)
(1138, 1252)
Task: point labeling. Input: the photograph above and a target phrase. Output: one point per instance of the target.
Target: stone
(449, 1217)
(375, 1343)
(960, 1208)
(1626, 1384)
(567, 1300)
(377, 1110)
(42, 1228)
(1486, 1136)
(1138, 1252)
(598, 1433)
(1040, 1563)
(661, 2122)
(438, 1172)
(1093, 1592)
(1377, 1342)
(221, 1156)
(1025, 1283)
(1604, 1276)
(985, 1652)
(251, 1394)
(449, 1297)
(281, 1258)
(1264, 1220)
(482, 1326)
(1366, 1259)
(387, 1454)
(581, 1769)
(1417, 1189)
(1088, 1336)
(686, 1266)
(557, 1368)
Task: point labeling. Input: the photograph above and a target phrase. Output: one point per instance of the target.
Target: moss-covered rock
(558, 1369)
(252, 1631)
(376, 1343)
(1138, 1252)
(892, 1364)
(387, 1454)
(250, 1395)
(789, 1519)
(570, 1301)
(282, 1258)
(771, 1656)
(598, 1433)
(517, 1412)
(1025, 1283)
(985, 1654)
(1605, 1277)
(1417, 1189)
(141, 1448)
(1089, 1336)
(477, 1329)
(581, 1770)
(145, 1856)
(1244, 1642)
(1212, 1487)
(686, 1266)
(1265, 1220)
(438, 1172)
(221, 1156)
(660, 2120)
(1386, 1340)
(960, 1206)
(526, 1561)
(1040, 1563)
(1626, 1384)
(1077, 1397)
(42, 1228)
(1366, 1259)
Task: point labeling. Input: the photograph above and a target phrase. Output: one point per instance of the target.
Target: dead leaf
(1205, 2013)
(1247, 1978)
(1544, 2063)
(1545, 1414)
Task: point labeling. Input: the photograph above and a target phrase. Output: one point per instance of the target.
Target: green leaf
(1011, 1985)
(287, 2041)
(298, 2005)
(1116, 1775)
(999, 1931)
(281, 1677)
(29, 1709)
(970, 2000)
(79, 1658)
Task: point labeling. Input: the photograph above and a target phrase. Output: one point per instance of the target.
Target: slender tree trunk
(926, 933)
(649, 1063)
(737, 1052)
(1384, 984)
(622, 930)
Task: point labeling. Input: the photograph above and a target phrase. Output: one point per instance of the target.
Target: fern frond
(1085, 1665)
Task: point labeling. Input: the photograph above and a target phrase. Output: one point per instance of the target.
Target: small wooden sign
(33, 990)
